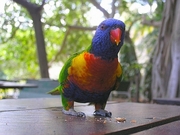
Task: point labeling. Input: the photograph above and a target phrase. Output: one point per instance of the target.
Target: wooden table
(167, 101)
(44, 117)
(15, 85)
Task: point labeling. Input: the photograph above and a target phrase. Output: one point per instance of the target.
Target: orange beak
(116, 35)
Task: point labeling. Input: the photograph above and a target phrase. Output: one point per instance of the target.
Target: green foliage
(18, 58)
(129, 62)
(147, 45)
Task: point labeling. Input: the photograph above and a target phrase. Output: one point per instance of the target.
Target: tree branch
(41, 6)
(98, 6)
(131, 24)
(150, 22)
(113, 8)
(31, 7)
(74, 27)
(62, 46)
(26, 4)
(70, 27)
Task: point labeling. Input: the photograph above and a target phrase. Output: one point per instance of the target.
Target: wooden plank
(172, 128)
(50, 120)
(5, 85)
(167, 101)
(33, 103)
(23, 104)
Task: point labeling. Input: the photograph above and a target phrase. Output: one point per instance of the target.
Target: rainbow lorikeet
(90, 76)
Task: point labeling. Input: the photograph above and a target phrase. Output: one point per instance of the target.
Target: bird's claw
(73, 113)
(81, 114)
(102, 112)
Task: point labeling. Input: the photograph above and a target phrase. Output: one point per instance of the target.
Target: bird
(90, 75)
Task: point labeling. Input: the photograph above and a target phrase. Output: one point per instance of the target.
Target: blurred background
(38, 36)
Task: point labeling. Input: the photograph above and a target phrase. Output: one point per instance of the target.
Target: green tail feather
(55, 91)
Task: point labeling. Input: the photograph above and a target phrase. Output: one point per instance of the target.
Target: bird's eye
(102, 26)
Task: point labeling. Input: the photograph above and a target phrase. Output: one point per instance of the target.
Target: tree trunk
(166, 61)
(35, 12)
(175, 55)
(40, 45)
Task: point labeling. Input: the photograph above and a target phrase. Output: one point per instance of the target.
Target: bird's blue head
(108, 39)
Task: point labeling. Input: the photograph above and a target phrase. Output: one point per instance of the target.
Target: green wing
(63, 75)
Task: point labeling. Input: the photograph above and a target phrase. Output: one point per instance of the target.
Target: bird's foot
(74, 113)
(102, 112)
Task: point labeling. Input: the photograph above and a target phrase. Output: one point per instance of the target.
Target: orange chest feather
(93, 74)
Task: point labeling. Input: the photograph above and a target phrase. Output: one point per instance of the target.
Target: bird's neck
(106, 54)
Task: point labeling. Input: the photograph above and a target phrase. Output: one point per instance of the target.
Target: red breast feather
(92, 73)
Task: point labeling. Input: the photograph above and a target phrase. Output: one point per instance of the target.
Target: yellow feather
(79, 62)
(119, 70)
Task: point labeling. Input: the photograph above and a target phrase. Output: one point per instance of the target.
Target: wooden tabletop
(44, 117)
(6, 84)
